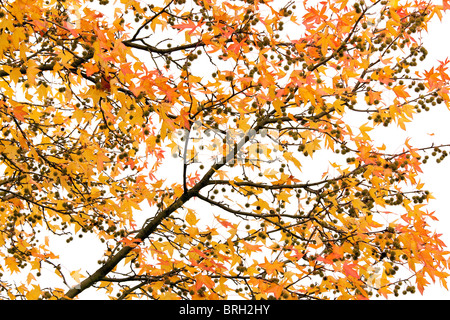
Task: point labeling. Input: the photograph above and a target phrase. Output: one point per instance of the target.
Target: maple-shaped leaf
(76, 275)
(364, 129)
(130, 242)
(252, 247)
(183, 119)
(200, 253)
(349, 270)
(446, 4)
(12, 264)
(224, 222)
(385, 291)
(421, 282)
(325, 260)
(191, 218)
(20, 112)
(272, 267)
(193, 179)
(35, 293)
(72, 30)
(276, 289)
(203, 280)
(236, 46)
(400, 91)
(298, 255)
(90, 69)
(189, 25)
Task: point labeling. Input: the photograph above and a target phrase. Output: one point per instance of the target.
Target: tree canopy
(217, 148)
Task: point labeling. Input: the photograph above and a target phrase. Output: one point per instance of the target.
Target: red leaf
(201, 254)
(325, 260)
(224, 222)
(189, 25)
(446, 4)
(350, 271)
(130, 242)
(19, 112)
(69, 27)
(105, 83)
(236, 46)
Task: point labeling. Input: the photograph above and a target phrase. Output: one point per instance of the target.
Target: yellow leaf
(329, 142)
(284, 195)
(30, 278)
(32, 71)
(390, 27)
(191, 218)
(312, 146)
(35, 293)
(222, 174)
(15, 75)
(364, 129)
(400, 91)
(76, 275)
(277, 104)
(12, 264)
(338, 105)
(289, 157)
(393, 4)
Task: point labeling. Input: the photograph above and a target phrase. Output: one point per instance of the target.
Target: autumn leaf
(287, 186)
(224, 222)
(251, 247)
(349, 270)
(272, 267)
(131, 242)
(421, 283)
(35, 293)
(11, 264)
(189, 25)
(76, 275)
(275, 289)
(401, 92)
(191, 218)
(364, 129)
(203, 280)
(446, 4)
(20, 112)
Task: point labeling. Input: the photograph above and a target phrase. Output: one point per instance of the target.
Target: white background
(82, 255)
(437, 122)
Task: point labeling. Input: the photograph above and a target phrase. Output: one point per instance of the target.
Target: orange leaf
(276, 289)
(130, 242)
(19, 112)
(251, 247)
(446, 4)
(421, 282)
(271, 267)
(400, 92)
(189, 25)
(203, 280)
(224, 222)
(349, 270)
